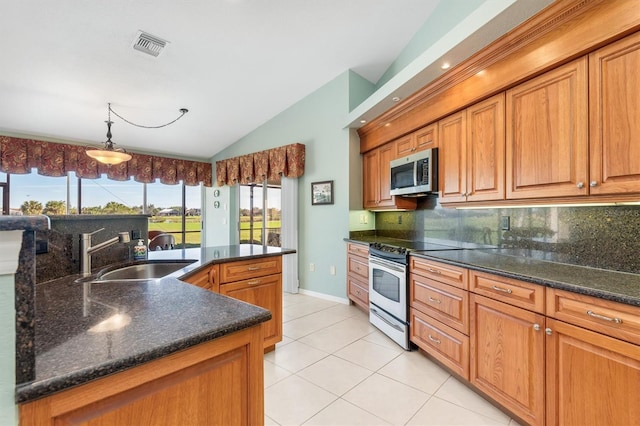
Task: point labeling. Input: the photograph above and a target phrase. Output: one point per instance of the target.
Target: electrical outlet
(312, 267)
(135, 234)
(505, 223)
(399, 219)
(332, 270)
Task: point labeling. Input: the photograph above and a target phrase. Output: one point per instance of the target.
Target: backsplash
(63, 242)
(606, 237)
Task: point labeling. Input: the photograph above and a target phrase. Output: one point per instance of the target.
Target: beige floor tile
(268, 421)
(368, 355)
(381, 339)
(305, 307)
(460, 395)
(342, 413)
(293, 401)
(273, 373)
(295, 356)
(305, 325)
(416, 370)
(437, 412)
(338, 335)
(392, 401)
(335, 374)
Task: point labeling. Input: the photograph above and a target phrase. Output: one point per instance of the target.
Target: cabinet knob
(536, 327)
(593, 184)
(548, 331)
(580, 185)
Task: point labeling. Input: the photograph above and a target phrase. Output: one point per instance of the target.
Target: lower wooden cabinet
(358, 274)
(220, 382)
(265, 292)
(255, 281)
(508, 356)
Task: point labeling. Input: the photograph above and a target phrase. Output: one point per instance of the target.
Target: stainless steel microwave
(415, 174)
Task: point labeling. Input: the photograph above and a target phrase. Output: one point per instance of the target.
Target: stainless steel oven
(388, 292)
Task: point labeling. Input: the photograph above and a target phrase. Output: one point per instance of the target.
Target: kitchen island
(159, 336)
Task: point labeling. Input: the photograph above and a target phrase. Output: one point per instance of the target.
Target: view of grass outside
(173, 225)
(273, 226)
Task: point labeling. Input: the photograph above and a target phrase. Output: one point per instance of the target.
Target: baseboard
(336, 299)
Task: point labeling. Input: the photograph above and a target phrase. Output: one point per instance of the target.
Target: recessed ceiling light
(363, 121)
(445, 66)
(387, 125)
(395, 99)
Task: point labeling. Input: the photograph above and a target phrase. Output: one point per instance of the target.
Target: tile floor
(334, 368)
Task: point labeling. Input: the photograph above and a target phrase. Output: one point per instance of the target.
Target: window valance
(270, 164)
(19, 156)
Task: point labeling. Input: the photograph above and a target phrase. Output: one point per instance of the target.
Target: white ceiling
(233, 63)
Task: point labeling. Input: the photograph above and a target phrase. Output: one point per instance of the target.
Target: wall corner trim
(10, 244)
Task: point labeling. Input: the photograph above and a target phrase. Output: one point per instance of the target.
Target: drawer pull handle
(434, 340)
(604, 318)
(434, 271)
(431, 299)
(254, 282)
(504, 290)
(253, 268)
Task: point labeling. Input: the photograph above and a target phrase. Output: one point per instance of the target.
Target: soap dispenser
(140, 251)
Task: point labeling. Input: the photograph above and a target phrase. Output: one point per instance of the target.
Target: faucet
(87, 249)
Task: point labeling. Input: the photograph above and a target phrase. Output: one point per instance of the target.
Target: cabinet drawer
(519, 293)
(245, 269)
(358, 266)
(447, 304)
(604, 316)
(358, 291)
(445, 344)
(361, 250)
(442, 272)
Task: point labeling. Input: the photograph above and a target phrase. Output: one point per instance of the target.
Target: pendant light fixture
(110, 155)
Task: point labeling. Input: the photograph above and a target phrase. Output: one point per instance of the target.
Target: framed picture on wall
(322, 192)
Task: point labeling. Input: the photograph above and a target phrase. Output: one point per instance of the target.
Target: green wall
(8, 408)
(317, 121)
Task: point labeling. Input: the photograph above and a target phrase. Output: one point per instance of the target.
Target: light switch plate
(505, 223)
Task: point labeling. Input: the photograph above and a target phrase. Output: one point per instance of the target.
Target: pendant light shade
(109, 154)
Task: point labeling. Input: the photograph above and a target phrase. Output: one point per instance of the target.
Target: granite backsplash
(62, 242)
(606, 237)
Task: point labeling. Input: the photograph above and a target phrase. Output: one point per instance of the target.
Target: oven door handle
(382, 316)
(398, 267)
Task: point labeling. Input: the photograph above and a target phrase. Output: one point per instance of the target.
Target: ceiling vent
(149, 44)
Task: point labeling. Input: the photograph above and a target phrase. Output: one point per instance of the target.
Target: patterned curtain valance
(19, 156)
(285, 160)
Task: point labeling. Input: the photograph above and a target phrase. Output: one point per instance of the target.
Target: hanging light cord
(183, 111)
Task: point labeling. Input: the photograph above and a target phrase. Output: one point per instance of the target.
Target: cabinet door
(370, 179)
(453, 157)
(615, 117)
(592, 379)
(507, 356)
(405, 146)
(265, 292)
(427, 137)
(547, 146)
(485, 150)
(387, 153)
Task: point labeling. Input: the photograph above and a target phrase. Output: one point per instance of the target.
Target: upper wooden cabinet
(425, 138)
(547, 144)
(472, 153)
(614, 102)
(376, 180)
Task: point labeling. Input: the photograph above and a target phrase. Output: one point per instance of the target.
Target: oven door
(388, 287)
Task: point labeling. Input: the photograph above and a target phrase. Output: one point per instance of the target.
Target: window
(260, 214)
(174, 209)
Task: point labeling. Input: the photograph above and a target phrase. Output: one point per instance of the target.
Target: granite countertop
(544, 268)
(84, 332)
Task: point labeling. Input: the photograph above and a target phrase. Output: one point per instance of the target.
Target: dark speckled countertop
(544, 268)
(160, 317)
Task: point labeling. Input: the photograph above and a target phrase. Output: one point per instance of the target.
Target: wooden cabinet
(206, 278)
(592, 378)
(425, 138)
(259, 282)
(376, 180)
(439, 312)
(472, 153)
(614, 107)
(358, 274)
(508, 356)
(219, 382)
(547, 143)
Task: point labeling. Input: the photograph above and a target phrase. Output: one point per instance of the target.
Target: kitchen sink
(142, 271)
